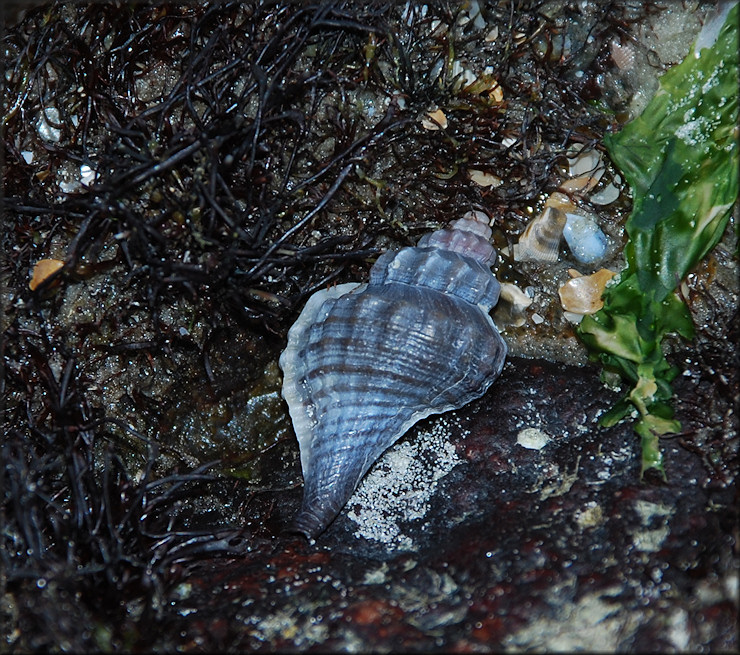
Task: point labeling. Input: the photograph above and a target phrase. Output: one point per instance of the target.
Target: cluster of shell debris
(567, 254)
(561, 219)
(569, 251)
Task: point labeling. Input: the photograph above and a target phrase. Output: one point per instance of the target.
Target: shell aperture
(365, 362)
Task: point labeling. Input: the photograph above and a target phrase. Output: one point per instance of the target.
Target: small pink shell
(468, 236)
(623, 55)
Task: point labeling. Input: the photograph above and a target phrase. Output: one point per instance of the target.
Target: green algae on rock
(681, 159)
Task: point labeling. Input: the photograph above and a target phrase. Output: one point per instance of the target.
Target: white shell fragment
(473, 13)
(532, 438)
(584, 238)
(511, 305)
(586, 169)
(68, 186)
(46, 130)
(484, 179)
(605, 196)
(365, 362)
(462, 75)
(513, 294)
(434, 120)
(582, 293)
(87, 175)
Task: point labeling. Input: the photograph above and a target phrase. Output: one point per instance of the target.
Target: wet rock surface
(560, 548)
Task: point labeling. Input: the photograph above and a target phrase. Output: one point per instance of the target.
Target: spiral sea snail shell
(365, 362)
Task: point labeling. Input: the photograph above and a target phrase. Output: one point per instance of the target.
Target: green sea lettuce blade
(680, 158)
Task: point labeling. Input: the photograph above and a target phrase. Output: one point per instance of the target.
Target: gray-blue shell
(364, 362)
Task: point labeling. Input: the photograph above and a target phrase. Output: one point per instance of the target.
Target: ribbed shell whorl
(468, 236)
(441, 270)
(455, 260)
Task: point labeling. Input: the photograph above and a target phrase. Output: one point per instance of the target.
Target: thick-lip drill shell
(365, 362)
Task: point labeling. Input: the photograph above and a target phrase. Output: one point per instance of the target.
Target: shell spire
(365, 362)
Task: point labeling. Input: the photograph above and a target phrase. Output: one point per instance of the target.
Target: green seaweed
(680, 158)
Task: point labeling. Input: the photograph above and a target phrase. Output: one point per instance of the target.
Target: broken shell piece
(512, 302)
(560, 201)
(484, 179)
(512, 294)
(606, 196)
(87, 175)
(585, 161)
(584, 238)
(46, 125)
(586, 169)
(486, 85)
(540, 240)
(461, 75)
(43, 270)
(434, 120)
(581, 184)
(582, 294)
